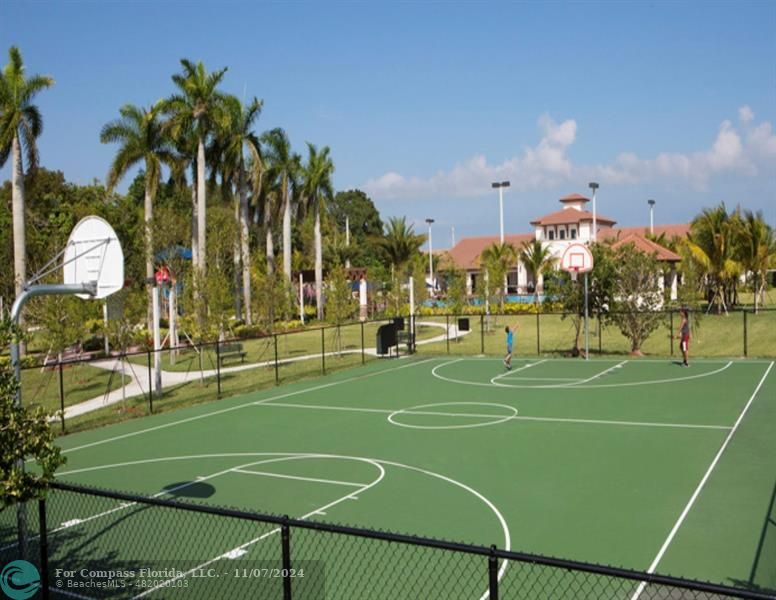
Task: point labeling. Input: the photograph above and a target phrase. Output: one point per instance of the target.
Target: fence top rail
(413, 540)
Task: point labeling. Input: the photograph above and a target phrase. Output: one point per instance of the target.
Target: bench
(405, 337)
(229, 350)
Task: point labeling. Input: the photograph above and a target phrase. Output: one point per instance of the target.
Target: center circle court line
(411, 411)
(280, 455)
(566, 386)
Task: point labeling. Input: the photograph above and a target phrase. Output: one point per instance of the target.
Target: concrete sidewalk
(137, 376)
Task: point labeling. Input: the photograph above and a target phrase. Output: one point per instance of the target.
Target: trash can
(463, 324)
(386, 338)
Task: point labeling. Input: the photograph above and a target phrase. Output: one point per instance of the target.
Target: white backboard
(94, 254)
(577, 258)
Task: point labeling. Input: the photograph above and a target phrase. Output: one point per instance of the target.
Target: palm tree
(537, 258)
(286, 165)
(316, 188)
(231, 144)
(711, 244)
(142, 140)
(497, 260)
(198, 106)
(757, 249)
(400, 242)
(20, 125)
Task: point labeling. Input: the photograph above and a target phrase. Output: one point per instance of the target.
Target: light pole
(430, 252)
(500, 187)
(594, 186)
(651, 216)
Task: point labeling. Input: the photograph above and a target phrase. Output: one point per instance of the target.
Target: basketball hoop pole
(587, 329)
(60, 289)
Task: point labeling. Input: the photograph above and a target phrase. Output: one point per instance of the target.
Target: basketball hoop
(93, 255)
(576, 259)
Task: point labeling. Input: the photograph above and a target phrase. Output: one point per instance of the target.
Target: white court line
(510, 371)
(697, 492)
(252, 403)
(362, 488)
(601, 374)
(490, 416)
(566, 386)
(298, 478)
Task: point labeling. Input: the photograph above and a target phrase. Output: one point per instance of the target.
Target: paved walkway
(137, 376)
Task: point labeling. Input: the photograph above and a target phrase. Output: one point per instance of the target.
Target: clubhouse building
(572, 223)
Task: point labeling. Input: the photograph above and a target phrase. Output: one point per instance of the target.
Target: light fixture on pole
(500, 186)
(594, 236)
(430, 253)
(651, 216)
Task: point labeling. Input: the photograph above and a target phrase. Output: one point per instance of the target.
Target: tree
(756, 251)
(363, 221)
(498, 259)
(25, 434)
(637, 297)
(711, 244)
(537, 258)
(284, 166)
(400, 242)
(232, 143)
(197, 107)
(316, 189)
(142, 140)
(20, 126)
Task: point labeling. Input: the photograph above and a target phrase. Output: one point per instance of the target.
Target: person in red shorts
(684, 336)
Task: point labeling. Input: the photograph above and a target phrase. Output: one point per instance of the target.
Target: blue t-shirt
(509, 338)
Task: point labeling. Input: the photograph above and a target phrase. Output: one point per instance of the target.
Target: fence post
(277, 374)
(218, 369)
(482, 334)
(62, 395)
(538, 333)
(600, 345)
(447, 332)
(323, 350)
(285, 536)
(150, 384)
(363, 358)
(44, 574)
(746, 345)
(493, 574)
(671, 327)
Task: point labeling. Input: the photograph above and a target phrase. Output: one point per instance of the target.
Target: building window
(552, 234)
(573, 234)
(563, 234)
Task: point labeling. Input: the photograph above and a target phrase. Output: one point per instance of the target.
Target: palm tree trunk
(318, 263)
(149, 251)
(286, 230)
(245, 248)
(19, 232)
(270, 276)
(194, 224)
(201, 209)
(236, 260)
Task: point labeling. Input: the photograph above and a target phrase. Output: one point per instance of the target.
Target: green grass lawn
(40, 386)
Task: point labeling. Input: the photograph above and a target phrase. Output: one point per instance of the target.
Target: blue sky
(424, 104)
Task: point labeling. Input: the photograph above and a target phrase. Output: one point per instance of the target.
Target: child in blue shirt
(510, 341)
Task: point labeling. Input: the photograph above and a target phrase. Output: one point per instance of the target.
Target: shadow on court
(763, 574)
(189, 489)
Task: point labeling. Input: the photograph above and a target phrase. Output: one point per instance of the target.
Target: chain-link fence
(97, 544)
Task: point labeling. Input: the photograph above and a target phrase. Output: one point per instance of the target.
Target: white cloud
(745, 152)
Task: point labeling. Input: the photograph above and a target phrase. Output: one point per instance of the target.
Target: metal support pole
(493, 574)
(218, 368)
(447, 332)
(671, 327)
(150, 384)
(277, 373)
(285, 537)
(746, 345)
(363, 357)
(538, 334)
(482, 334)
(44, 574)
(323, 351)
(62, 396)
(156, 306)
(600, 344)
(587, 326)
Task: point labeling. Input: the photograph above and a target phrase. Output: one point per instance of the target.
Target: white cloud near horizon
(745, 150)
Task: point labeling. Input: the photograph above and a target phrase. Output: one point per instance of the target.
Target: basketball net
(573, 272)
